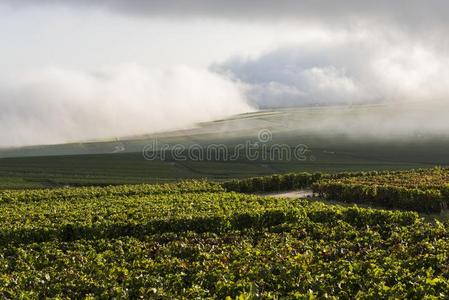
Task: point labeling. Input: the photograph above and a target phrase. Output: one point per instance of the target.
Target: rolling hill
(332, 139)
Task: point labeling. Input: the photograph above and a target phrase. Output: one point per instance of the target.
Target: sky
(79, 70)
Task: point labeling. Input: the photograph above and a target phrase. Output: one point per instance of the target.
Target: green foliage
(284, 182)
(195, 241)
(291, 181)
(90, 193)
(424, 190)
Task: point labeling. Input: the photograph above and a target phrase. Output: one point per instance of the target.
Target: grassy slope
(333, 151)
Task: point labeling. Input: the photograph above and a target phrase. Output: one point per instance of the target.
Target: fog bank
(57, 105)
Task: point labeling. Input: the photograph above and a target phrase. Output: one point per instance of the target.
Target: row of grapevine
(423, 179)
(422, 190)
(272, 183)
(427, 201)
(291, 181)
(60, 194)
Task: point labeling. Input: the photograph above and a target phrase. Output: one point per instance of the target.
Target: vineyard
(196, 240)
(424, 179)
(422, 190)
(425, 190)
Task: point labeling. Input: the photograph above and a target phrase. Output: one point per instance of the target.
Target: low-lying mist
(403, 81)
(409, 81)
(388, 122)
(58, 105)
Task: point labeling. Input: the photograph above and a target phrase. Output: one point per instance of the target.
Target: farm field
(80, 220)
(120, 161)
(233, 150)
(198, 240)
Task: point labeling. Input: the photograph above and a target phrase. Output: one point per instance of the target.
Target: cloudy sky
(85, 69)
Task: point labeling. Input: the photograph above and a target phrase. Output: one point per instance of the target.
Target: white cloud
(57, 105)
(357, 69)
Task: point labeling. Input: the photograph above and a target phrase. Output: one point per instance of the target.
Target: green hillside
(330, 135)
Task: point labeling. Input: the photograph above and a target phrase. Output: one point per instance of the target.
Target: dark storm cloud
(413, 12)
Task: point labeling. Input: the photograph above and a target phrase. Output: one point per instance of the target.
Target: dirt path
(291, 194)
